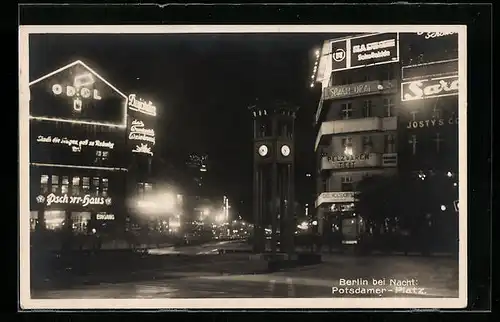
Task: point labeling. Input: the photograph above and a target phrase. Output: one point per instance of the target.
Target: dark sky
(201, 85)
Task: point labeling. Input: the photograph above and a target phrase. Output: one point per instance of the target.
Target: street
(231, 276)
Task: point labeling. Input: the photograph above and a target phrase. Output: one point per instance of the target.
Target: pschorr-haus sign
(336, 197)
(429, 88)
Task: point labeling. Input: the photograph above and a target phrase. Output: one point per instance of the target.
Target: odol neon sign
(78, 90)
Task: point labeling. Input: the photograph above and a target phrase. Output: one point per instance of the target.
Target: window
(367, 108)
(86, 185)
(324, 184)
(101, 156)
(346, 183)
(436, 112)
(96, 188)
(65, 185)
(366, 77)
(413, 141)
(387, 74)
(389, 106)
(55, 184)
(346, 80)
(390, 143)
(437, 139)
(44, 183)
(105, 186)
(347, 145)
(346, 110)
(148, 187)
(367, 144)
(75, 186)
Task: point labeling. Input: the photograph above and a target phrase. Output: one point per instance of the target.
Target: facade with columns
(389, 104)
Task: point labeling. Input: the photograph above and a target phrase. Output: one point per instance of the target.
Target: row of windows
(346, 109)
(367, 146)
(352, 77)
(86, 185)
(390, 144)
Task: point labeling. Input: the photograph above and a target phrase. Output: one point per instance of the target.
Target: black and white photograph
(243, 166)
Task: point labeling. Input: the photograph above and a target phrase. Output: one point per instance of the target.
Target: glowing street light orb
(443, 207)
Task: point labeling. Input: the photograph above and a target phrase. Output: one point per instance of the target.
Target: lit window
(55, 179)
(105, 155)
(75, 186)
(44, 183)
(86, 184)
(105, 186)
(347, 145)
(346, 183)
(148, 187)
(96, 185)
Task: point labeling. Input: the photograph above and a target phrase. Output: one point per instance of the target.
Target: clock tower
(273, 179)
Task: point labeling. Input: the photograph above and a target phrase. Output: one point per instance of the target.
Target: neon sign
(430, 35)
(76, 94)
(78, 91)
(428, 88)
(105, 216)
(138, 132)
(65, 199)
(139, 105)
(143, 148)
(74, 143)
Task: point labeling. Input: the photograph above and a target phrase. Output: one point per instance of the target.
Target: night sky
(202, 86)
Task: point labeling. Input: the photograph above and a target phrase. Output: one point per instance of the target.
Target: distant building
(197, 165)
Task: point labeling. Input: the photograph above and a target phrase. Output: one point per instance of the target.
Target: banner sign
(374, 49)
(66, 199)
(361, 51)
(429, 88)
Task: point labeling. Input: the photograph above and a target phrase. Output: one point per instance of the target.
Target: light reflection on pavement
(437, 276)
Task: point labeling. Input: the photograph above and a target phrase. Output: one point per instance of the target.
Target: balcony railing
(360, 89)
(369, 124)
(335, 197)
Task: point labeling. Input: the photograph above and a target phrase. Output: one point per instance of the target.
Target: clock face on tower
(285, 150)
(263, 150)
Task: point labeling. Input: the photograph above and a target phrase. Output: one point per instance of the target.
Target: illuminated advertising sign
(65, 199)
(77, 94)
(429, 88)
(76, 145)
(350, 161)
(361, 51)
(428, 47)
(141, 133)
(141, 106)
(339, 55)
(374, 49)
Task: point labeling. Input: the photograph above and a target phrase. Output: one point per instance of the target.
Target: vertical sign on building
(141, 132)
(339, 55)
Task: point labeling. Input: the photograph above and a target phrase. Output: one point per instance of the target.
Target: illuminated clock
(285, 150)
(263, 150)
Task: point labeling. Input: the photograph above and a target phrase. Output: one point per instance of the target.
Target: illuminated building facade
(91, 153)
(356, 124)
(389, 105)
(78, 163)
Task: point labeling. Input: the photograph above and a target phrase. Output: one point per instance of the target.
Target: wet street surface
(228, 277)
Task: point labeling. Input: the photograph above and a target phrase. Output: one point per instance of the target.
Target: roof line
(84, 65)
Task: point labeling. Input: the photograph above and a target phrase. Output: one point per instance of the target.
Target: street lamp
(443, 207)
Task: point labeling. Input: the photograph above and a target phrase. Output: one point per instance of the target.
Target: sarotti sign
(66, 199)
(429, 88)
